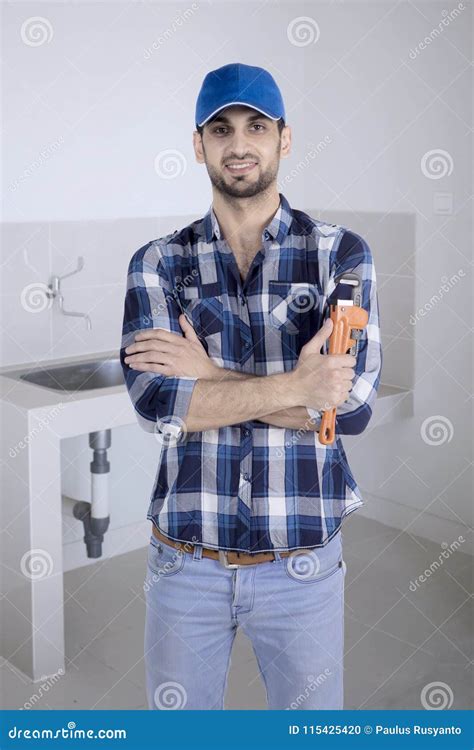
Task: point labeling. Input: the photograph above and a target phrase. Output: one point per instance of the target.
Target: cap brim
(230, 104)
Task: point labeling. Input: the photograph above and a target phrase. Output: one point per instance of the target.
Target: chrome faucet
(54, 290)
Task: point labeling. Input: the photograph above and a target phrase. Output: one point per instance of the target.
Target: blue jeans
(291, 609)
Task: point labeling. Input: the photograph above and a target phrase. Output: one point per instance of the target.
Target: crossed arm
(203, 395)
(220, 396)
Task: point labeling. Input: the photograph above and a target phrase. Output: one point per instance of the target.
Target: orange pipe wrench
(348, 321)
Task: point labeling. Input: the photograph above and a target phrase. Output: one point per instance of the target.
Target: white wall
(87, 113)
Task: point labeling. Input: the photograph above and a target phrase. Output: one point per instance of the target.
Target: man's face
(241, 149)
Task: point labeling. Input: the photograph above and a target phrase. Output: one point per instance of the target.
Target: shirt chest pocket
(204, 308)
(292, 304)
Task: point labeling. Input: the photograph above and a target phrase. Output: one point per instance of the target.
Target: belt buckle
(224, 561)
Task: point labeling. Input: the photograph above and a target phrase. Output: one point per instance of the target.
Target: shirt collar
(276, 229)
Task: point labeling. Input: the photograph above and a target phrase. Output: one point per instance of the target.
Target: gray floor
(396, 641)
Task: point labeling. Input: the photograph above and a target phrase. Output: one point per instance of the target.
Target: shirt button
(246, 344)
(243, 299)
(267, 235)
(245, 476)
(246, 432)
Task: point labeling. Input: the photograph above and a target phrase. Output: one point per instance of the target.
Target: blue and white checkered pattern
(249, 486)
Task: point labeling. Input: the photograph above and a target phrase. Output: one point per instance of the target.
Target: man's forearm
(231, 400)
(294, 417)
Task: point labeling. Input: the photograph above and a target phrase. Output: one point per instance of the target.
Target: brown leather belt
(229, 558)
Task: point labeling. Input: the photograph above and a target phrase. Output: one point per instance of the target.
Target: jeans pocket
(164, 560)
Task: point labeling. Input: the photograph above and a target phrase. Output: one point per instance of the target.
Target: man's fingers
(160, 369)
(161, 334)
(152, 346)
(341, 360)
(188, 329)
(151, 356)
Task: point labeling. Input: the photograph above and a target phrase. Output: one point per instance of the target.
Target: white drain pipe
(96, 514)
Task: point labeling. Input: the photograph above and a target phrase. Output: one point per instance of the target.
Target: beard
(245, 186)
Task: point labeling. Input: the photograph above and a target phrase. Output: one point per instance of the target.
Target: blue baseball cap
(237, 83)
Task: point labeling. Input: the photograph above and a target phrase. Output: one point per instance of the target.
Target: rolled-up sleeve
(352, 254)
(150, 302)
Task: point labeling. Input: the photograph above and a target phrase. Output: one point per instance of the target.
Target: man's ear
(197, 144)
(285, 147)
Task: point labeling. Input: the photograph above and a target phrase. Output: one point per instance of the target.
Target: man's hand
(167, 353)
(324, 380)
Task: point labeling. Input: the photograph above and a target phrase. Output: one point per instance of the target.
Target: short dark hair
(281, 124)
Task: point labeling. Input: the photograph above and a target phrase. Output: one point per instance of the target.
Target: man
(223, 328)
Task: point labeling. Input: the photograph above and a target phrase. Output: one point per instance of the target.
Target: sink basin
(81, 376)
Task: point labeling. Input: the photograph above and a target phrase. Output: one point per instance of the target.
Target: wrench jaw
(351, 283)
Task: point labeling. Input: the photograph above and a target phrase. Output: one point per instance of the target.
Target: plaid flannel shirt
(250, 486)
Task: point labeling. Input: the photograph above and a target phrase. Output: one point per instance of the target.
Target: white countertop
(392, 402)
